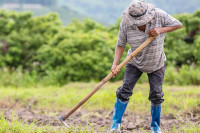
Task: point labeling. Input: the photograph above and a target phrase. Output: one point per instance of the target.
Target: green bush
(44, 49)
(186, 75)
(24, 34)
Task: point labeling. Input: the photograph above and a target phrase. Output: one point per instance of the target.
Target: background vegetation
(39, 56)
(42, 50)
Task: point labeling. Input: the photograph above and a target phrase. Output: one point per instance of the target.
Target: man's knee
(156, 97)
(124, 92)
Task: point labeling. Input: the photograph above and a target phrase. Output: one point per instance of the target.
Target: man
(139, 21)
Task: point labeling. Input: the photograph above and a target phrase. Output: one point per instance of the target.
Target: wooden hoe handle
(109, 76)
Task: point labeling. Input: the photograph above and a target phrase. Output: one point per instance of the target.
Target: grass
(178, 100)
(188, 129)
(16, 126)
(19, 127)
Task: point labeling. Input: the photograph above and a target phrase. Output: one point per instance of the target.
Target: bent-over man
(139, 21)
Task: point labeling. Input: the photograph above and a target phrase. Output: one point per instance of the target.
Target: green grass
(16, 126)
(19, 127)
(188, 129)
(177, 99)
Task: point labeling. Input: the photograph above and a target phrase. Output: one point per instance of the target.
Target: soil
(99, 119)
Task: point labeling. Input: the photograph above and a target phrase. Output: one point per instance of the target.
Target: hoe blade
(63, 121)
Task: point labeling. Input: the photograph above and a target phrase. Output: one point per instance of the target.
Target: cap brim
(139, 21)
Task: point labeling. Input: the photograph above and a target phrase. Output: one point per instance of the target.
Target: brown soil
(98, 119)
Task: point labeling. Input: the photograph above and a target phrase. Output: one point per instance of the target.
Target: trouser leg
(132, 74)
(155, 81)
(156, 97)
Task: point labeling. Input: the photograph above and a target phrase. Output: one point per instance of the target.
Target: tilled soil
(98, 119)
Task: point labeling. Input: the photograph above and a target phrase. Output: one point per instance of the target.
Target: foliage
(84, 51)
(24, 34)
(178, 50)
(80, 52)
(184, 76)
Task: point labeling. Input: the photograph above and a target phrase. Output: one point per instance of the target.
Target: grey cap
(139, 13)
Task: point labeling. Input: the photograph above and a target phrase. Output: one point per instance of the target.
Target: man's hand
(114, 71)
(154, 32)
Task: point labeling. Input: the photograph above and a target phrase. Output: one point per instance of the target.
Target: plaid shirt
(152, 57)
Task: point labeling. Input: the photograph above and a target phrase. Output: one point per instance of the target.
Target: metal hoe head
(63, 121)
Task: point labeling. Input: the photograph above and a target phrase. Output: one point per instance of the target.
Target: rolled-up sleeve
(168, 20)
(122, 36)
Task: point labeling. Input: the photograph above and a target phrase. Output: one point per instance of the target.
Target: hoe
(108, 77)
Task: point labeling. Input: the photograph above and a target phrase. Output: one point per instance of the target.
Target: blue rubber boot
(120, 107)
(155, 115)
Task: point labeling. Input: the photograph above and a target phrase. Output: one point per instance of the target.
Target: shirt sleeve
(122, 36)
(168, 20)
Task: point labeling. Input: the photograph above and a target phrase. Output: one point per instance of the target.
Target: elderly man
(139, 21)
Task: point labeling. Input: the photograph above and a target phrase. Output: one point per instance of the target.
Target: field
(30, 110)
(47, 68)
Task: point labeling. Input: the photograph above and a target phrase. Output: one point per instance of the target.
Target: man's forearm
(118, 54)
(170, 28)
(156, 31)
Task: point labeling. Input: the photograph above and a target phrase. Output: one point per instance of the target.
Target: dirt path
(98, 119)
